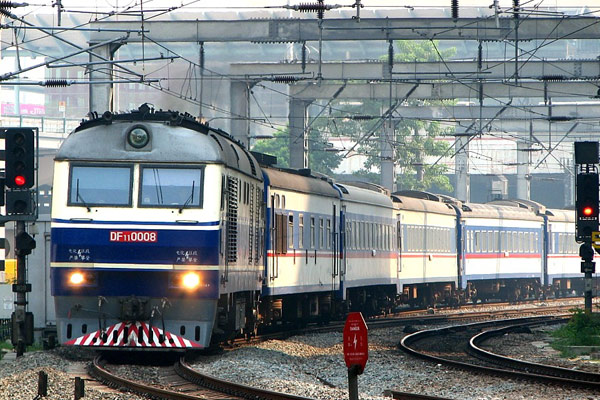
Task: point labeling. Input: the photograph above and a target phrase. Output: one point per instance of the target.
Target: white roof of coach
(300, 181)
(474, 210)
(420, 204)
(356, 192)
(557, 215)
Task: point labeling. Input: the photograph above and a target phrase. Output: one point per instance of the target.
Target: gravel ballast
(313, 365)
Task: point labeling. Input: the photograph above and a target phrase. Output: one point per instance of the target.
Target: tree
(414, 140)
(319, 158)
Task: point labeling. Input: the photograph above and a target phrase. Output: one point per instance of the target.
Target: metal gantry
(477, 82)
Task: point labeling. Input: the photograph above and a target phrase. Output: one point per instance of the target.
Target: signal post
(586, 209)
(20, 179)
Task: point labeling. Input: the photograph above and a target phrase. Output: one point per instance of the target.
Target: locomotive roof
(175, 138)
(300, 181)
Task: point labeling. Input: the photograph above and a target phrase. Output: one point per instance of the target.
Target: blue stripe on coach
(87, 245)
(128, 282)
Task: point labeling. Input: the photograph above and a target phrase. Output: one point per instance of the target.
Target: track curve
(503, 366)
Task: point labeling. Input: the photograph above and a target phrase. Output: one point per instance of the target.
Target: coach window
(328, 233)
(321, 233)
(495, 241)
(385, 237)
(312, 232)
(290, 231)
(300, 231)
(100, 186)
(520, 242)
(171, 187)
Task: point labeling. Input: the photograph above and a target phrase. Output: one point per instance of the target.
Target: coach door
(334, 238)
(398, 246)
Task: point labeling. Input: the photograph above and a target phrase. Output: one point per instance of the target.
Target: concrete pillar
(102, 95)
(240, 111)
(523, 178)
(388, 175)
(569, 199)
(461, 169)
(298, 120)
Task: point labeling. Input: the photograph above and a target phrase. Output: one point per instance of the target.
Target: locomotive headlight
(138, 137)
(190, 280)
(76, 278)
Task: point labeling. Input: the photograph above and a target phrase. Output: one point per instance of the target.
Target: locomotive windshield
(171, 187)
(100, 186)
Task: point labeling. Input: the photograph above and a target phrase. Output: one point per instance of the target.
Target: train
(167, 233)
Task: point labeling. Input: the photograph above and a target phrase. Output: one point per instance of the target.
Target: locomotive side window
(171, 187)
(100, 186)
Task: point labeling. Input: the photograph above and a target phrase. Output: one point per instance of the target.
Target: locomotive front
(135, 237)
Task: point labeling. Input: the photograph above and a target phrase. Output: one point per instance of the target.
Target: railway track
(476, 312)
(185, 383)
(458, 346)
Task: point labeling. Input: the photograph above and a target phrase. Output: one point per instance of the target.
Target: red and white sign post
(356, 350)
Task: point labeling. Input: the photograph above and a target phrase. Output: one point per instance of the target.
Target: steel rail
(230, 390)
(184, 370)
(541, 369)
(411, 339)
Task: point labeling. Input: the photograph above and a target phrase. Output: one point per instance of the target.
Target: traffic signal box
(20, 158)
(586, 206)
(19, 170)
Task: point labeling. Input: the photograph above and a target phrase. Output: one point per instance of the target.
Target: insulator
(560, 118)
(361, 117)
(391, 54)
(319, 8)
(9, 4)
(553, 78)
(284, 79)
(516, 8)
(454, 9)
(56, 83)
(4, 11)
(202, 55)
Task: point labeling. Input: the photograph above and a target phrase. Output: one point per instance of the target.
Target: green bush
(583, 329)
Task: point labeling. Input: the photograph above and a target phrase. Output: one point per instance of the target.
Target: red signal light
(588, 211)
(20, 180)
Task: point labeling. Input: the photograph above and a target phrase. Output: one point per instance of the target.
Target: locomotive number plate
(133, 236)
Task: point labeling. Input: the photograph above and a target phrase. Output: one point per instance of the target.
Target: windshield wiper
(189, 199)
(78, 197)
